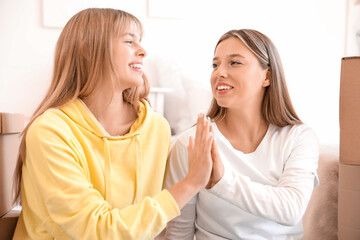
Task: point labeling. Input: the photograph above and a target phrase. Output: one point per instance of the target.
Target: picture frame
(352, 29)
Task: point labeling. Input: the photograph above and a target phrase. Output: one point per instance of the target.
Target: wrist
(183, 191)
(190, 185)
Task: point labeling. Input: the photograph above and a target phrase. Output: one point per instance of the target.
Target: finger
(209, 133)
(215, 152)
(207, 128)
(211, 127)
(204, 134)
(199, 125)
(191, 144)
(205, 139)
(207, 144)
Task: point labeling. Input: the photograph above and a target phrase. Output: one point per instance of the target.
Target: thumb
(214, 151)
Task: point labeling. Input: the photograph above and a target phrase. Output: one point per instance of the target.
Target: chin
(137, 82)
(222, 103)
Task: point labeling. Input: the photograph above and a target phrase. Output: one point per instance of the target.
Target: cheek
(212, 80)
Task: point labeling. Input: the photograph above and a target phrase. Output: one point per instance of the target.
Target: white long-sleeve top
(262, 195)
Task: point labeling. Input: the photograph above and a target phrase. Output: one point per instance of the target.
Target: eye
(131, 43)
(235, 63)
(215, 65)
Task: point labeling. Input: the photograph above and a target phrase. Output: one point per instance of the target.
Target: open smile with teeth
(223, 87)
(136, 66)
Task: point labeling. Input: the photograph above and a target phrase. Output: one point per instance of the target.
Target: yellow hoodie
(81, 183)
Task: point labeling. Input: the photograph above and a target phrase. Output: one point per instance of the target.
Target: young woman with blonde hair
(265, 159)
(92, 158)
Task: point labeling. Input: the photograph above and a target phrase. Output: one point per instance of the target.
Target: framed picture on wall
(352, 35)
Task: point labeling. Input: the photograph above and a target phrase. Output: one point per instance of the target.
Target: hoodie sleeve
(54, 177)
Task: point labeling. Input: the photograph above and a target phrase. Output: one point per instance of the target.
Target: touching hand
(218, 167)
(199, 153)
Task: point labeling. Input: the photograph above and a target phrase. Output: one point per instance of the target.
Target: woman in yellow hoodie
(92, 158)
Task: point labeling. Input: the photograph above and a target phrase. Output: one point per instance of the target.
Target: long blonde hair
(277, 108)
(83, 57)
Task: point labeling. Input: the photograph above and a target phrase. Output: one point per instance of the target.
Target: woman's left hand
(218, 167)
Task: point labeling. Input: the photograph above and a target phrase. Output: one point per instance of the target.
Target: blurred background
(180, 35)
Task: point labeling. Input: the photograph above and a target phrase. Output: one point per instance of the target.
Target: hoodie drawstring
(138, 154)
(107, 170)
(138, 169)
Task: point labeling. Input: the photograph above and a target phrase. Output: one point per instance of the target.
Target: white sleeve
(183, 226)
(286, 202)
(177, 165)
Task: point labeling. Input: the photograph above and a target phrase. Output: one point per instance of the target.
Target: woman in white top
(264, 158)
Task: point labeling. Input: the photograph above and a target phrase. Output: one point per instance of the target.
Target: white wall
(309, 35)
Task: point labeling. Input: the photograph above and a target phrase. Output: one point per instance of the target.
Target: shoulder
(159, 124)
(158, 119)
(296, 142)
(52, 122)
(295, 133)
(151, 120)
(146, 109)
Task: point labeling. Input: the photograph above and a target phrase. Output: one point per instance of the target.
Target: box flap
(11, 123)
(350, 111)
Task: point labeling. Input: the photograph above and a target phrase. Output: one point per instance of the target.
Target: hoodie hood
(80, 113)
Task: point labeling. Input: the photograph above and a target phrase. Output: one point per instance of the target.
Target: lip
(223, 91)
(136, 63)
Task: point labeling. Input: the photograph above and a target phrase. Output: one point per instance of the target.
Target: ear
(267, 81)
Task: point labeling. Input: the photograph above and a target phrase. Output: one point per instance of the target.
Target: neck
(244, 128)
(115, 115)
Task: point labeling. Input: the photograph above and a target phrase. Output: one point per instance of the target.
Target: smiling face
(238, 79)
(128, 57)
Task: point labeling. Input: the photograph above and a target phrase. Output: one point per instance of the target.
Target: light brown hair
(83, 56)
(277, 108)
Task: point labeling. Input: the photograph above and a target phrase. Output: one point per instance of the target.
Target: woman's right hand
(199, 153)
(218, 167)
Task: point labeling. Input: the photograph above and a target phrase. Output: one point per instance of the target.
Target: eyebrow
(133, 35)
(230, 56)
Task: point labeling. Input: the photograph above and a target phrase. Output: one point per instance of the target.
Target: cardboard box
(349, 172)
(350, 111)
(11, 126)
(8, 224)
(349, 202)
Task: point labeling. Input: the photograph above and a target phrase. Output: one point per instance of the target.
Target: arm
(71, 207)
(200, 164)
(284, 203)
(183, 226)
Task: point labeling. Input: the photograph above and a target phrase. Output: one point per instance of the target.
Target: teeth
(223, 87)
(138, 66)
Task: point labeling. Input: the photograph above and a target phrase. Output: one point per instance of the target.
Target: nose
(141, 51)
(221, 71)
